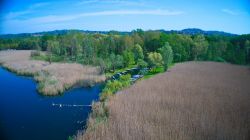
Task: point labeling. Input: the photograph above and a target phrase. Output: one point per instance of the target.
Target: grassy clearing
(53, 78)
(194, 100)
(43, 57)
(155, 71)
(109, 74)
(151, 73)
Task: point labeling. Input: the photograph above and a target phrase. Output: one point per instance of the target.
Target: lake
(27, 115)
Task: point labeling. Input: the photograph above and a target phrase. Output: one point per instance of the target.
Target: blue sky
(25, 16)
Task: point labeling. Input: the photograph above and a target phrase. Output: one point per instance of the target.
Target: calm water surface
(26, 115)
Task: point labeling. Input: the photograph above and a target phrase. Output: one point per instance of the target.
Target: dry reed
(192, 101)
(53, 78)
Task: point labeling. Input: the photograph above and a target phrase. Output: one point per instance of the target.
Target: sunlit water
(26, 115)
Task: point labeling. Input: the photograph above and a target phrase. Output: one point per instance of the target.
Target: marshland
(193, 100)
(53, 78)
(124, 70)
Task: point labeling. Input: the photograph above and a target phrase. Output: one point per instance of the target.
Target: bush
(141, 63)
(105, 95)
(35, 53)
(56, 58)
(113, 86)
(219, 59)
(125, 80)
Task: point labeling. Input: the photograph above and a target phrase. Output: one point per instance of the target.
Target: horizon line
(122, 31)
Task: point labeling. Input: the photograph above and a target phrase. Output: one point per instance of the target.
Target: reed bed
(53, 78)
(192, 101)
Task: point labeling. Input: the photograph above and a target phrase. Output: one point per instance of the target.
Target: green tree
(137, 39)
(101, 63)
(247, 46)
(55, 48)
(125, 43)
(50, 46)
(36, 45)
(181, 46)
(138, 52)
(108, 64)
(151, 41)
(129, 58)
(112, 58)
(117, 61)
(167, 55)
(141, 63)
(76, 47)
(200, 47)
(154, 59)
(88, 51)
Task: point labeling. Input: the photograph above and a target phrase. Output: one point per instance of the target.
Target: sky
(28, 16)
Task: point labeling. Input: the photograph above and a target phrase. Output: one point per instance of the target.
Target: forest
(115, 50)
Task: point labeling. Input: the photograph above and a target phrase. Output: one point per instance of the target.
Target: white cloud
(87, 2)
(117, 2)
(29, 10)
(37, 5)
(230, 12)
(16, 14)
(133, 12)
(60, 18)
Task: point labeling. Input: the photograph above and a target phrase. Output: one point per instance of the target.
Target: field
(192, 101)
(53, 78)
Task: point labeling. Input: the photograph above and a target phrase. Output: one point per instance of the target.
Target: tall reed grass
(52, 78)
(192, 101)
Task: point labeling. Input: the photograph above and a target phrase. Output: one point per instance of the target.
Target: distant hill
(57, 32)
(188, 31)
(194, 31)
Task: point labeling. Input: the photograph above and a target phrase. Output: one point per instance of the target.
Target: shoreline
(52, 79)
(32, 76)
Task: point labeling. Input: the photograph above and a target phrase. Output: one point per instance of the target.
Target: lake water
(26, 115)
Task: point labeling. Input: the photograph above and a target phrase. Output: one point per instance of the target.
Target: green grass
(40, 57)
(155, 71)
(54, 58)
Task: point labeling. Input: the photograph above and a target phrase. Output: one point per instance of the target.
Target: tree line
(142, 48)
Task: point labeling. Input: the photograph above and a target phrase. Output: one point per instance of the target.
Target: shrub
(141, 63)
(113, 86)
(219, 59)
(35, 53)
(125, 80)
(105, 95)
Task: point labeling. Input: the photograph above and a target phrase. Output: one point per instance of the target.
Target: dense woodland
(142, 48)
